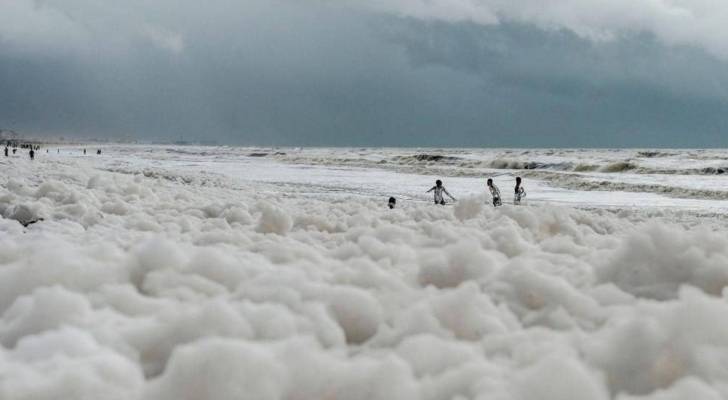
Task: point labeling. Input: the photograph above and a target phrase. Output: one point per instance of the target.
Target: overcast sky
(495, 73)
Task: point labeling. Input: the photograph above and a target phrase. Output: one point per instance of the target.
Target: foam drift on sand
(137, 287)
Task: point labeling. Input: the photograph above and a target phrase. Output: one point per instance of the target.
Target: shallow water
(359, 172)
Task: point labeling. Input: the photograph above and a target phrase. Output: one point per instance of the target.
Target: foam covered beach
(170, 278)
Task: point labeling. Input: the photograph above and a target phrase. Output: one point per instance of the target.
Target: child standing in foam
(439, 190)
(520, 192)
(495, 193)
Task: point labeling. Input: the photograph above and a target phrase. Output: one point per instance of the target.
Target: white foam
(178, 285)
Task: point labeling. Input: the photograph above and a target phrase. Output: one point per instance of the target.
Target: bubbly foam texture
(146, 286)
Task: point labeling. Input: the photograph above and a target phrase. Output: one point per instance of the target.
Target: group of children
(518, 194)
(439, 190)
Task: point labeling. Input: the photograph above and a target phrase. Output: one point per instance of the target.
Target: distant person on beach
(6, 151)
(32, 154)
(392, 202)
(84, 152)
(439, 190)
(98, 152)
(495, 192)
(519, 193)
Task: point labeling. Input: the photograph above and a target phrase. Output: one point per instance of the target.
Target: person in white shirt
(495, 193)
(439, 190)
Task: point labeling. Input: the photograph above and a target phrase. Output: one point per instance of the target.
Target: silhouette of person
(32, 154)
(392, 202)
(495, 192)
(519, 193)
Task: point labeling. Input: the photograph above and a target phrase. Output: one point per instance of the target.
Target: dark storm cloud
(630, 92)
(309, 73)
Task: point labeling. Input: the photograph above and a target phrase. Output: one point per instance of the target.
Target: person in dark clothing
(84, 152)
(392, 202)
(439, 190)
(32, 154)
(519, 193)
(6, 151)
(98, 152)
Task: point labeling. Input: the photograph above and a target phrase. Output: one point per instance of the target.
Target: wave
(654, 154)
(266, 154)
(585, 168)
(620, 166)
(462, 163)
(517, 164)
(577, 182)
(713, 170)
(188, 152)
(426, 158)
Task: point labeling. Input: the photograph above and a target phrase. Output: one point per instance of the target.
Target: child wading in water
(520, 192)
(439, 190)
(495, 193)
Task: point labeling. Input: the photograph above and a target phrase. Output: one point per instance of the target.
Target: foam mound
(151, 286)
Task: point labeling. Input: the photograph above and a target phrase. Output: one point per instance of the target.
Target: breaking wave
(655, 154)
(577, 182)
(620, 166)
(427, 158)
(517, 164)
(471, 162)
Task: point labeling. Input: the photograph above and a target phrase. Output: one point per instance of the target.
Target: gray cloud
(673, 22)
(313, 73)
